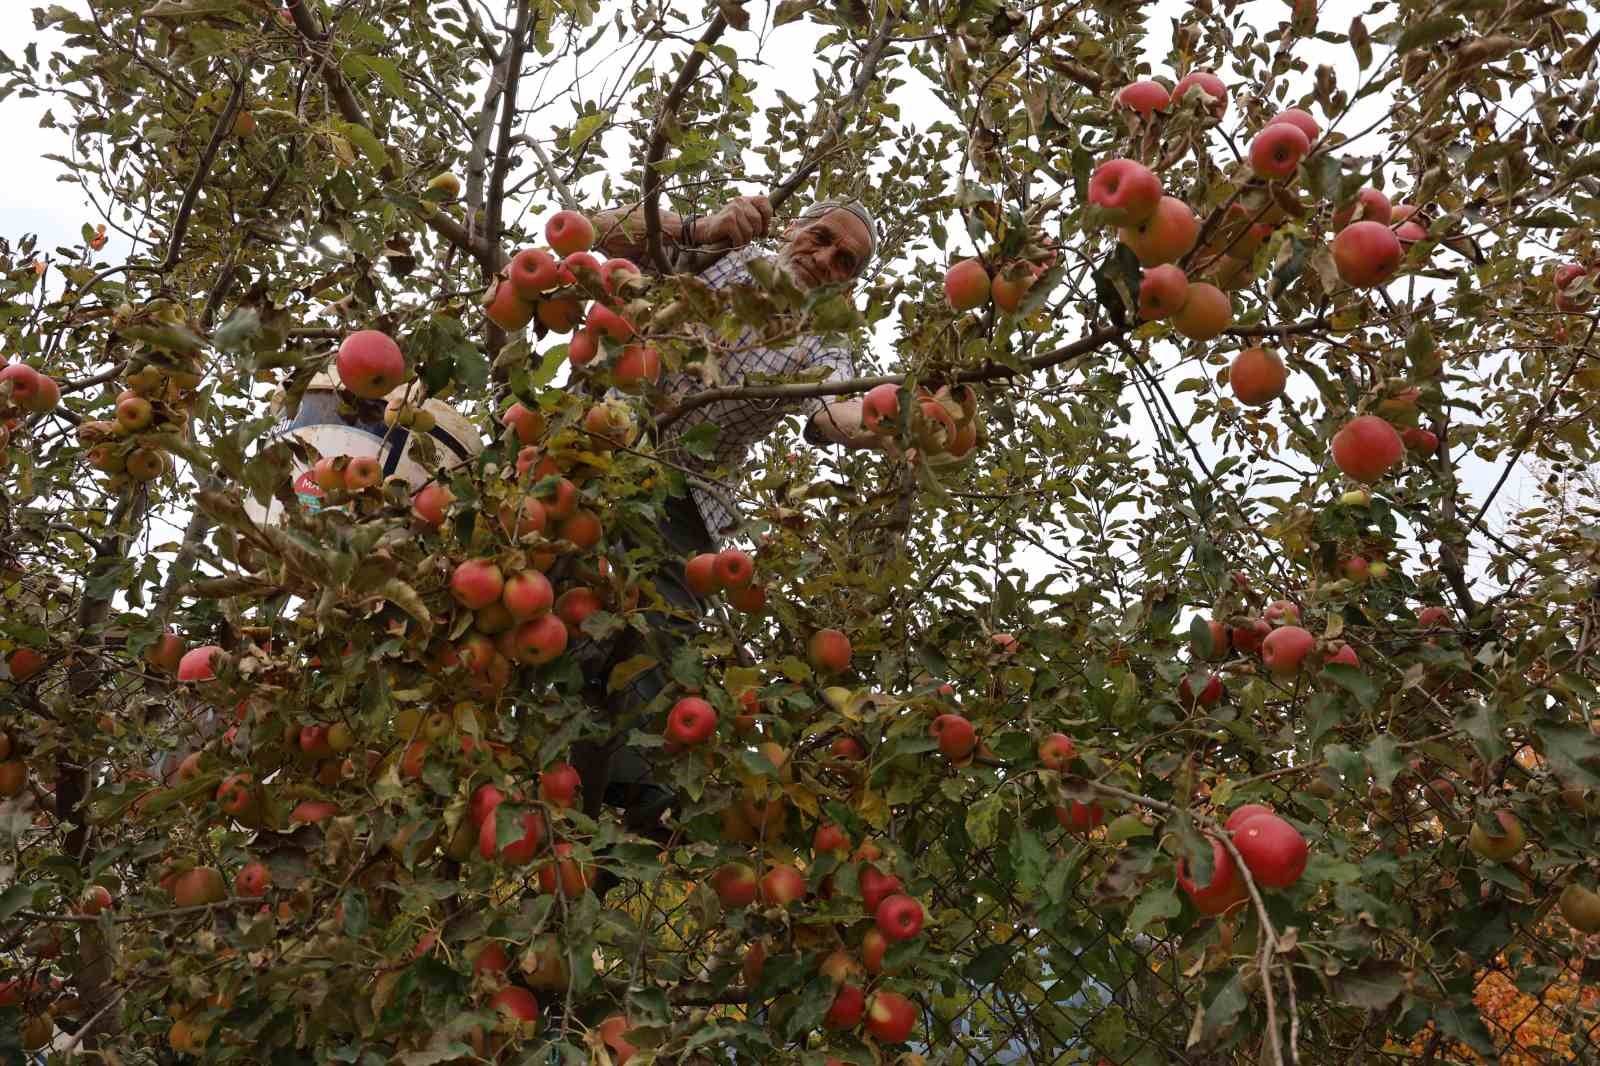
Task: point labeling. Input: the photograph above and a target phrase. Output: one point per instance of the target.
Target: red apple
(370, 364)
(891, 1017)
(1273, 850)
(1079, 817)
(734, 569)
(1276, 151)
(735, 885)
(876, 887)
(1257, 377)
(1166, 236)
(527, 594)
(1366, 448)
(1127, 192)
(1367, 254)
(829, 651)
(1056, 750)
(1208, 84)
(1285, 650)
(1162, 292)
(533, 272)
(966, 285)
(569, 232)
(517, 852)
(899, 917)
(559, 784)
(1244, 813)
(198, 664)
(691, 721)
(1225, 889)
(517, 1005)
(1301, 120)
(956, 736)
(476, 583)
(849, 1003)
(1145, 97)
(1369, 204)
(782, 886)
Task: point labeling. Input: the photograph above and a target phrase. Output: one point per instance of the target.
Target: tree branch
(870, 58)
(202, 170)
(658, 140)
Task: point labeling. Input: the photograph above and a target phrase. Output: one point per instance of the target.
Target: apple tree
(1195, 665)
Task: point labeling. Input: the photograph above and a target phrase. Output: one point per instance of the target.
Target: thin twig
(658, 140)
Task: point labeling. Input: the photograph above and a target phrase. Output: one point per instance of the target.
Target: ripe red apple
(848, 748)
(485, 798)
(1210, 692)
(203, 884)
(570, 875)
(145, 464)
(24, 381)
(734, 569)
(166, 653)
(1205, 313)
(829, 651)
(637, 366)
(1209, 84)
(1406, 228)
(491, 958)
(891, 1017)
(527, 423)
(604, 322)
(899, 917)
(700, 574)
(1422, 441)
(1366, 448)
(573, 606)
(236, 795)
(751, 599)
(1257, 377)
(873, 947)
(876, 887)
(25, 664)
(880, 409)
(1367, 254)
(612, 1032)
(1248, 638)
(94, 899)
(477, 583)
(955, 734)
(1056, 750)
(1276, 151)
(541, 640)
(1369, 204)
(620, 275)
(1342, 653)
(1282, 611)
(1570, 296)
(361, 472)
(506, 308)
(849, 1003)
(311, 812)
(431, 502)
(1166, 236)
(253, 879)
(559, 784)
(198, 663)
(1080, 818)
(1162, 292)
(517, 1005)
(691, 721)
(1433, 617)
(1244, 813)
(527, 594)
(559, 316)
(1126, 191)
(735, 885)
(1285, 650)
(782, 885)
(966, 285)
(1225, 889)
(1301, 120)
(533, 272)
(1145, 97)
(517, 852)
(583, 347)
(830, 837)
(370, 364)
(569, 232)
(1273, 850)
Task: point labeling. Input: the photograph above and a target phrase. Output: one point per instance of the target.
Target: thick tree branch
(516, 48)
(854, 386)
(202, 170)
(658, 140)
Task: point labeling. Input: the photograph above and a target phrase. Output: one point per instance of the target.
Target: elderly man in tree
(829, 244)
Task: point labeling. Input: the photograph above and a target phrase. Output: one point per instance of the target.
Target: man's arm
(839, 422)
(620, 231)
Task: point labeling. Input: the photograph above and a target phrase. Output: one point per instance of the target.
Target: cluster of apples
(126, 447)
(944, 423)
(1571, 283)
(893, 914)
(968, 285)
(1272, 849)
(730, 572)
(23, 391)
(537, 285)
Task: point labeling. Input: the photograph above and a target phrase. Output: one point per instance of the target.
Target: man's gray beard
(786, 264)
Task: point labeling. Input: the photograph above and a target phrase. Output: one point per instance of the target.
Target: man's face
(826, 250)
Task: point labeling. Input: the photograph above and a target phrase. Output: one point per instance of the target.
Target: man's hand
(741, 220)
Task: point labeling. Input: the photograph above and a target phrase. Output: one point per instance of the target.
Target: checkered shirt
(744, 423)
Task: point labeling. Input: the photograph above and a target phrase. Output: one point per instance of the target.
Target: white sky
(41, 204)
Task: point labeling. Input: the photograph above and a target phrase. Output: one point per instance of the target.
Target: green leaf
(367, 141)
(547, 368)
(625, 671)
(987, 965)
(1222, 1012)
(1158, 904)
(1573, 752)
(1428, 32)
(701, 441)
(585, 128)
(1383, 755)
(387, 72)
(16, 897)
(1353, 680)
(1373, 985)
